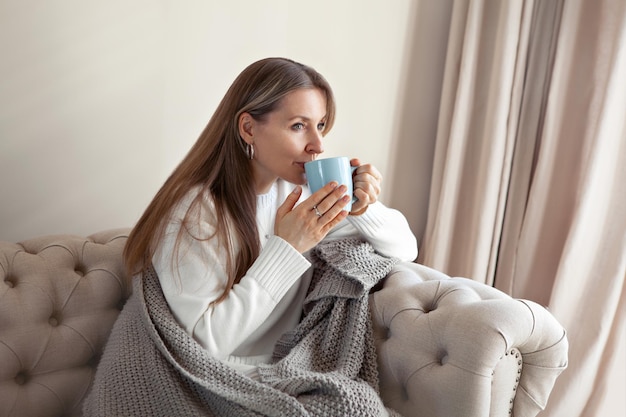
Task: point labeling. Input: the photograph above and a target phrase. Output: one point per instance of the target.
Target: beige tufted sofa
(446, 346)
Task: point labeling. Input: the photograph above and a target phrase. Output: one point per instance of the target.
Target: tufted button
(428, 308)
(21, 378)
(93, 361)
(404, 393)
(442, 357)
(9, 282)
(388, 333)
(53, 321)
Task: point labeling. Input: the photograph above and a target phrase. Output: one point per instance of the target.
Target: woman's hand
(366, 179)
(307, 224)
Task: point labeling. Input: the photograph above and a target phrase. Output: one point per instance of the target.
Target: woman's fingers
(367, 191)
(305, 225)
(336, 213)
(367, 186)
(328, 201)
(289, 202)
(327, 216)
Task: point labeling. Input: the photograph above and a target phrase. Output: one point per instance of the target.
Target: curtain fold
(573, 239)
(474, 145)
(536, 69)
(528, 187)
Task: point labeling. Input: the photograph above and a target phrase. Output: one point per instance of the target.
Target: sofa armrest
(59, 298)
(457, 347)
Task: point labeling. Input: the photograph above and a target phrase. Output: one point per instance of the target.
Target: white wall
(100, 100)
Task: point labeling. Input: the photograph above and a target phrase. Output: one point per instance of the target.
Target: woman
(227, 232)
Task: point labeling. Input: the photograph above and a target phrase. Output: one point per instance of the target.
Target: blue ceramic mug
(322, 171)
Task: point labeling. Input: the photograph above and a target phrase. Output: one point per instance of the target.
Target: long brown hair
(218, 163)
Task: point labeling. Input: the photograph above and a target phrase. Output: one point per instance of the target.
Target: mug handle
(354, 199)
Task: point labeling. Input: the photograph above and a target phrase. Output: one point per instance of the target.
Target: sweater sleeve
(386, 229)
(194, 276)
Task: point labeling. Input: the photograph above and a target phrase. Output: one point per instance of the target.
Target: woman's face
(286, 138)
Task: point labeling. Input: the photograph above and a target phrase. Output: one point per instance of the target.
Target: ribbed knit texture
(325, 367)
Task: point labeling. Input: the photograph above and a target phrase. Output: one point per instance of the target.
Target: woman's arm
(386, 229)
(198, 278)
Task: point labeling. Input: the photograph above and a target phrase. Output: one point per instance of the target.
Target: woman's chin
(296, 179)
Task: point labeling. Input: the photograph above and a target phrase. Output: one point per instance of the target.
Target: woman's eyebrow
(305, 118)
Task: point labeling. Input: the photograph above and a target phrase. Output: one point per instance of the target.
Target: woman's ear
(246, 124)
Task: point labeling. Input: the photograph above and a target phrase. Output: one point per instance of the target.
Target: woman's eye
(320, 126)
(298, 126)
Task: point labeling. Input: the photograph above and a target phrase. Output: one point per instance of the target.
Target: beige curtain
(474, 142)
(528, 189)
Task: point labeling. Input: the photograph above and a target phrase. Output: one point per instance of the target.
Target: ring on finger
(317, 211)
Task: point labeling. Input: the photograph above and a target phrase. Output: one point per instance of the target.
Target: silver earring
(250, 151)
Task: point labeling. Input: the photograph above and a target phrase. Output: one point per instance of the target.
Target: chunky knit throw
(325, 367)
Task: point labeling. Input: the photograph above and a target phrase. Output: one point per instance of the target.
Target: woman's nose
(315, 143)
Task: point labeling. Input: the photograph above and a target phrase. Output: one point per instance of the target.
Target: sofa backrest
(59, 298)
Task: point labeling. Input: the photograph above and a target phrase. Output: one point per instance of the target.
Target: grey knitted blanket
(325, 367)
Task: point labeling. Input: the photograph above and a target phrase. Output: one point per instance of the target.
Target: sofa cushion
(59, 297)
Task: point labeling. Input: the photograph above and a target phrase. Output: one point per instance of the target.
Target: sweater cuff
(370, 222)
(278, 267)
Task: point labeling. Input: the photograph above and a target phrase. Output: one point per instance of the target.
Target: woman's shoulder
(196, 208)
(197, 195)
